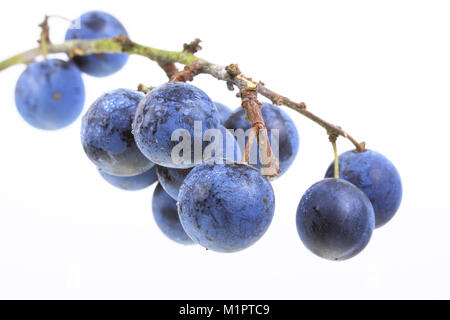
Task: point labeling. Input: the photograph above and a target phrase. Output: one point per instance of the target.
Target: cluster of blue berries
(225, 206)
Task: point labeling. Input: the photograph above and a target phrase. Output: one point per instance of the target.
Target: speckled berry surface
(274, 118)
(224, 111)
(50, 94)
(106, 134)
(167, 108)
(98, 25)
(225, 207)
(335, 220)
(377, 177)
(166, 216)
(133, 183)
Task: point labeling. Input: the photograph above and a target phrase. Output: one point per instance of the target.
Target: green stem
(336, 159)
(124, 45)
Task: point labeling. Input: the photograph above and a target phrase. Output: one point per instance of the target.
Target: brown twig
(188, 73)
(44, 39)
(193, 47)
(251, 136)
(231, 74)
(144, 89)
(270, 165)
(169, 68)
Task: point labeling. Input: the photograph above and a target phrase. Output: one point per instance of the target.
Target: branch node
(332, 137)
(169, 68)
(125, 42)
(188, 73)
(193, 47)
(233, 70)
(361, 147)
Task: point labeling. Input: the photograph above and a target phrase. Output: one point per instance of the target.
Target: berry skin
(377, 177)
(106, 134)
(132, 183)
(229, 148)
(166, 216)
(335, 220)
(98, 25)
(171, 179)
(169, 107)
(225, 207)
(274, 118)
(50, 94)
(224, 111)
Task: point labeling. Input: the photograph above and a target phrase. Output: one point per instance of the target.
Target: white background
(380, 69)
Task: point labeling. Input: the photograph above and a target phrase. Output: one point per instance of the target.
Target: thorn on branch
(230, 86)
(188, 73)
(125, 42)
(192, 47)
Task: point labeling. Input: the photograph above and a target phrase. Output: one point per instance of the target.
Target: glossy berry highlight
(106, 134)
(133, 183)
(169, 107)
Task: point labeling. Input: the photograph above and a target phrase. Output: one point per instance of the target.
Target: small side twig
(144, 89)
(188, 73)
(231, 75)
(270, 165)
(193, 47)
(44, 39)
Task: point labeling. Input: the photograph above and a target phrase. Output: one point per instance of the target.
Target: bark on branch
(195, 65)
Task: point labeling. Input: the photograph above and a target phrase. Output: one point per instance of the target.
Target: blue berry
(133, 183)
(106, 134)
(98, 25)
(225, 207)
(224, 111)
(377, 177)
(171, 179)
(50, 94)
(335, 220)
(274, 118)
(228, 148)
(167, 108)
(165, 213)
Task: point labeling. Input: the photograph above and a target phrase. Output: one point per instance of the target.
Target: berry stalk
(231, 74)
